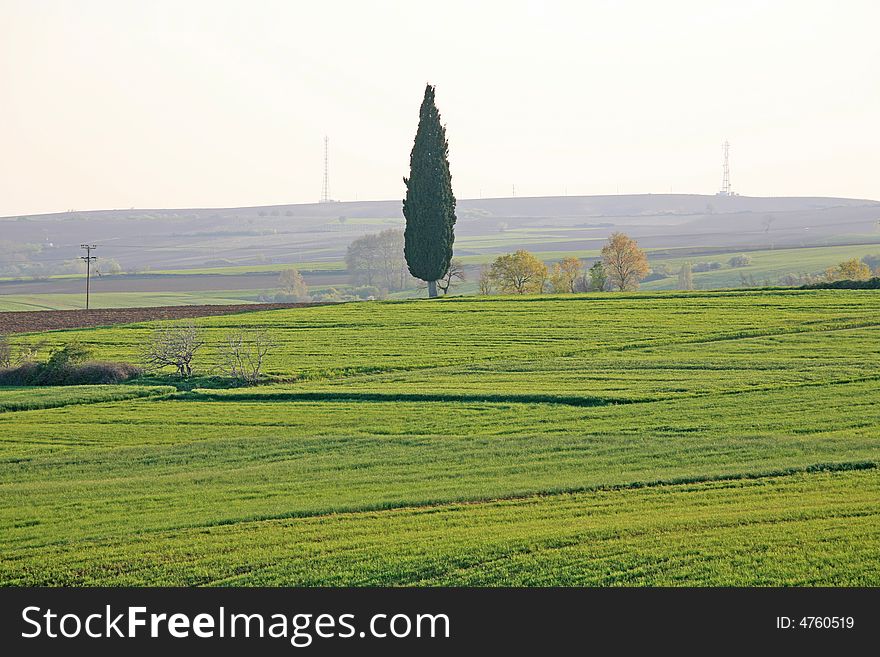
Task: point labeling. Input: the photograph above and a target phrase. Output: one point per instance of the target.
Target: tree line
(622, 267)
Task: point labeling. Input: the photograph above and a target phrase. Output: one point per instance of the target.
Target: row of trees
(622, 267)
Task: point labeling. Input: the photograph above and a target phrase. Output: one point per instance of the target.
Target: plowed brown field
(49, 320)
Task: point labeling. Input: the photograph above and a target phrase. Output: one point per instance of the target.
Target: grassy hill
(651, 438)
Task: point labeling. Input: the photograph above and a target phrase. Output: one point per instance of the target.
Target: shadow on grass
(208, 382)
(354, 396)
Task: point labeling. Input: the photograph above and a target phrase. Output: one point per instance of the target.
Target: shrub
(598, 277)
(747, 280)
(368, 292)
(706, 266)
(849, 270)
(654, 276)
(795, 280)
(870, 284)
(23, 374)
(740, 261)
(71, 354)
(88, 373)
(96, 371)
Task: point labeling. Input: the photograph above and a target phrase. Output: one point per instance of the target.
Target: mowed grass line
(800, 529)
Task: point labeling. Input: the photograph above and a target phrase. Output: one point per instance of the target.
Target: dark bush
(706, 266)
(870, 284)
(24, 374)
(97, 372)
(88, 373)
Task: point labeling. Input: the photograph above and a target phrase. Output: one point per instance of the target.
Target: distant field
(765, 266)
(248, 283)
(123, 299)
(611, 439)
(331, 265)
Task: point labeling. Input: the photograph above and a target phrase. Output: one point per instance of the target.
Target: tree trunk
(432, 289)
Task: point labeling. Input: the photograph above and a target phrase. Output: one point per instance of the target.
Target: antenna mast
(325, 190)
(725, 179)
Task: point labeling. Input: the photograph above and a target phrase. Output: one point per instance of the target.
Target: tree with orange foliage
(565, 275)
(625, 263)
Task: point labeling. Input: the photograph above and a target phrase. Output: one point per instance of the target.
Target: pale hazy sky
(116, 104)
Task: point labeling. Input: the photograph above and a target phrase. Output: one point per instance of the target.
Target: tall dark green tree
(429, 206)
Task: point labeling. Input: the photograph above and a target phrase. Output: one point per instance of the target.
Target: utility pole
(89, 258)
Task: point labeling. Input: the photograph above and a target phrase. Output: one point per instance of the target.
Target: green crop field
(766, 266)
(707, 438)
(45, 301)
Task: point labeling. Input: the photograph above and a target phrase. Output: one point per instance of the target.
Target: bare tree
(686, 277)
(28, 352)
(377, 259)
(454, 273)
(243, 352)
(485, 281)
(173, 347)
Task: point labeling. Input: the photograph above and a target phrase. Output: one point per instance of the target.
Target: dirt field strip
(27, 321)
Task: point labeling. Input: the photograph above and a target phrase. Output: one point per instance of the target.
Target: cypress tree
(429, 206)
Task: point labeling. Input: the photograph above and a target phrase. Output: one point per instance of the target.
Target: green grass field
(14, 302)
(612, 439)
(766, 266)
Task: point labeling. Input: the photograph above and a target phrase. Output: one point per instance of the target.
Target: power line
(89, 258)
